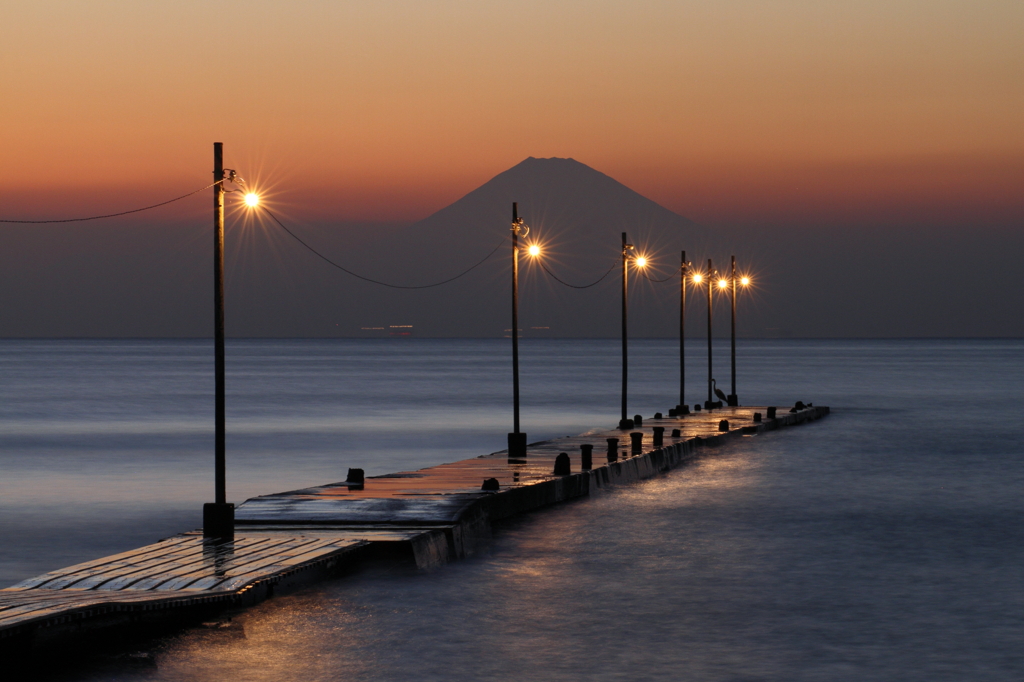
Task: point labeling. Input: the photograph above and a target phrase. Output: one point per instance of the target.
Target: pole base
(219, 520)
(733, 400)
(625, 424)
(517, 446)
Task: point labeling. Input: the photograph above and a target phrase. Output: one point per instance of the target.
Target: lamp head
(745, 281)
(722, 283)
(534, 250)
(698, 278)
(641, 262)
(252, 200)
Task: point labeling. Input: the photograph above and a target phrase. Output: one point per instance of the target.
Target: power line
(375, 281)
(671, 275)
(573, 286)
(111, 215)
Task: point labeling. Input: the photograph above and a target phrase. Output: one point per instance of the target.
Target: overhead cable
(573, 286)
(112, 215)
(375, 281)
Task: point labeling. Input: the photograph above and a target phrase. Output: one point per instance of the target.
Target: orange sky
(776, 110)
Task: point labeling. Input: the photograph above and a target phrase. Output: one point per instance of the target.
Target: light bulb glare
(252, 199)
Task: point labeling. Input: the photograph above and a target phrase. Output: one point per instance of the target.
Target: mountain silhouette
(575, 213)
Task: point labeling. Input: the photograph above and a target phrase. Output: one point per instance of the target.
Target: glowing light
(534, 250)
(641, 262)
(744, 281)
(723, 283)
(698, 278)
(252, 199)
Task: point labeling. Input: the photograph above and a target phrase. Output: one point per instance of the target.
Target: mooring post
(659, 436)
(586, 456)
(219, 516)
(636, 442)
(613, 449)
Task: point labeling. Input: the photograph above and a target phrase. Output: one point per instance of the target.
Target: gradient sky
(726, 112)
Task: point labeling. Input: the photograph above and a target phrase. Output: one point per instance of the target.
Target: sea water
(884, 542)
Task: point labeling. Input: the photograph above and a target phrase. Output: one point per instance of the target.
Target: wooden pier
(288, 539)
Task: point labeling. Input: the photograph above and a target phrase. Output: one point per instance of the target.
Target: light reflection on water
(881, 543)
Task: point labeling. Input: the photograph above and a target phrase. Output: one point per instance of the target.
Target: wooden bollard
(657, 415)
(491, 485)
(696, 407)
(757, 417)
(562, 464)
(355, 479)
(638, 421)
(771, 413)
(723, 425)
(676, 433)
(636, 442)
(673, 412)
(625, 424)
(586, 456)
(659, 436)
(613, 449)
(685, 410)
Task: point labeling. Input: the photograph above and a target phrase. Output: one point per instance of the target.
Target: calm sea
(885, 542)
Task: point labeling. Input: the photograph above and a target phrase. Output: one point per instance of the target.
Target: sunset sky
(803, 112)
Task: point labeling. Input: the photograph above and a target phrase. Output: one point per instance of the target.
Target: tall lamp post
(218, 516)
(516, 440)
(733, 281)
(683, 272)
(625, 423)
(711, 381)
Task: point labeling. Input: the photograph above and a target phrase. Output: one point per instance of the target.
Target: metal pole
(218, 319)
(516, 439)
(732, 279)
(711, 397)
(219, 517)
(625, 361)
(515, 317)
(682, 331)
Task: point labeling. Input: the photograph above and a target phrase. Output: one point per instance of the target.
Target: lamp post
(218, 516)
(711, 396)
(516, 440)
(743, 281)
(732, 399)
(683, 272)
(625, 423)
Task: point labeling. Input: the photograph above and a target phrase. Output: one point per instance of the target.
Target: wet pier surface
(288, 539)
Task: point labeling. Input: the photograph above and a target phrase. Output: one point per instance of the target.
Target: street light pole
(516, 440)
(219, 516)
(682, 331)
(623, 423)
(732, 399)
(711, 283)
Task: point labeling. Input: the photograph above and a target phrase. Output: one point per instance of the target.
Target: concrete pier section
(290, 539)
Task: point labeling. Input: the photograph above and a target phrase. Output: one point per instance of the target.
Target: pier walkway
(431, 516)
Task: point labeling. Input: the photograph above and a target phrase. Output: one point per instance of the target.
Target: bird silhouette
(719, 392)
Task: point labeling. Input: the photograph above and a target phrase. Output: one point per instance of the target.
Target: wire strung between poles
(114, 215)
(573, 286)
(375, 281)
(671, 275)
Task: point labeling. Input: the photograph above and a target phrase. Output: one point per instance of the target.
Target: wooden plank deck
(439, 513)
